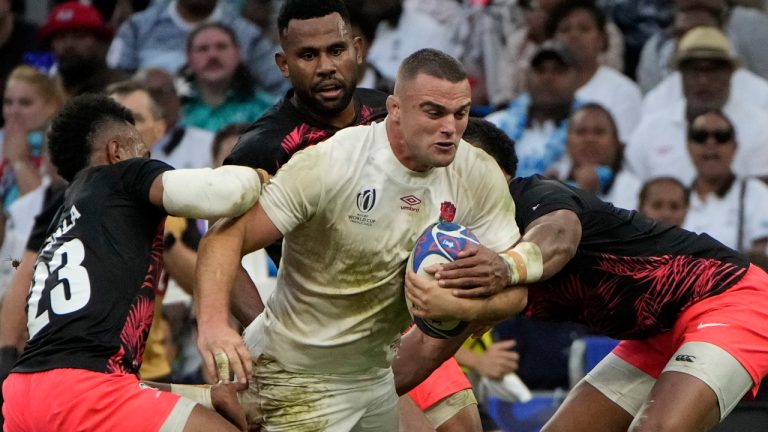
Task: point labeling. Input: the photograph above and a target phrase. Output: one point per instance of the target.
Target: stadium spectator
(31, 100)
(746, 27)
(582, 26)
(403, 29)
(79, 39)
(735, 212)
(146, 112)
(17, 37)
(157, 37)
(664, 199)
(181, 146)
(706, 62)
(538, 120)
(654, 65)
(594, 158)
(221, 89)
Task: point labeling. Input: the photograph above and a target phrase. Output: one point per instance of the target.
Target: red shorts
(78, 399)
(736, 321)
(444, 381)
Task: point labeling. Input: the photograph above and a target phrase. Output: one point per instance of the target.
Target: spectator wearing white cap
(706, 62)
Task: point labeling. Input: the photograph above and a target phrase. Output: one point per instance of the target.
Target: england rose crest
(447, 211)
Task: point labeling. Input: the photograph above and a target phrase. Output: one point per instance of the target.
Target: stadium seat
(586, 353)
(524, 416)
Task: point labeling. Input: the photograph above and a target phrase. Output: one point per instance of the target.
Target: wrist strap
(200, 394)
(524, 262)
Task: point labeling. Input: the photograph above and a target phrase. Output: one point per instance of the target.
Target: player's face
(712, 145)
(150, 128)
(665, 202)
(592, 138)
(213, 56)
(25, 104)
(321, 59)
(430, 115)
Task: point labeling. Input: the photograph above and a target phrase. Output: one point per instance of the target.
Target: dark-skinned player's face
(321, 58)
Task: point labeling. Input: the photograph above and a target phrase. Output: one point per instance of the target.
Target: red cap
(74, 16)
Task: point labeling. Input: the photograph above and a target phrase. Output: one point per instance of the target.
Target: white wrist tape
(200, 394)
(525, 263)
(206, 193)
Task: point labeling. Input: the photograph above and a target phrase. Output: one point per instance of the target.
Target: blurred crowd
(659, 106)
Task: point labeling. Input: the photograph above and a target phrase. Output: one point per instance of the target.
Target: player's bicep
(156, 192)
(258, 230)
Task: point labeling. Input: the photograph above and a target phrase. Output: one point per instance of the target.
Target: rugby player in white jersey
(350, 211)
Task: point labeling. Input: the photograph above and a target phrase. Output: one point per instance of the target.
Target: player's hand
(225, 402)
(432, 302)
(223, 350)
(479, 272)
(498, 360)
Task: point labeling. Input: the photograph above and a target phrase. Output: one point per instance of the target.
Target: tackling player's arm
(219, 256)
(206, 193)
(554, 237)
(419, 355)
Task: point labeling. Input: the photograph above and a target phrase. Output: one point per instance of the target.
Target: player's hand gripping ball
(440, 243)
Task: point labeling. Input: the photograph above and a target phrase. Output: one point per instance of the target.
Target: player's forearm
(419, 355)
(218, 261)
(557, 235)
(246, 303)
(495, 308)
(180, 263)
(14, 318)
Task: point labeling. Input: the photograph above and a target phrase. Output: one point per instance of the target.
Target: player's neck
(339, 120)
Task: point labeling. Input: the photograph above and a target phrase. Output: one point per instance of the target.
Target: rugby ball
(440, 243)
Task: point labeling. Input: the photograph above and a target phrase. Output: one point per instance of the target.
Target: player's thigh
(457, 412)
(586, 409)
(606, 399)
(203, 420)
(412, 418)
(700, 385)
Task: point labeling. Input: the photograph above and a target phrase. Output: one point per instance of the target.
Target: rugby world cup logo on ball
(440, 243)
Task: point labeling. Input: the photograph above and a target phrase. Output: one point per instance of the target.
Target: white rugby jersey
(351, 214)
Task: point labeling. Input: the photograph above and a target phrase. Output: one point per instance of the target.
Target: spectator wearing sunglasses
(706, 63)
(733, 211)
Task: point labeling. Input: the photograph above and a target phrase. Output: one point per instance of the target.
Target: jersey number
(65, 282)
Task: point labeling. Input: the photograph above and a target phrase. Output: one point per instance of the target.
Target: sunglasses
(700, 136)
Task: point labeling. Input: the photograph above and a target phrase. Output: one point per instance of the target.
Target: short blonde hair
(49, 88)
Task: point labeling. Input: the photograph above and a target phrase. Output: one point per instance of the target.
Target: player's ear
(282, 64)
(114, 155)
(393, 107)
(357, 43)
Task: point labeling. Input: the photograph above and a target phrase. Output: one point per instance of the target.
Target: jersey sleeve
(294, 195)
(492, 206)
(536, 197)
(256, 149)
(137, 175)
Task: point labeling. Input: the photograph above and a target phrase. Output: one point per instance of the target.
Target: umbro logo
(685, 358)
(411, 203)
(410, 200)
